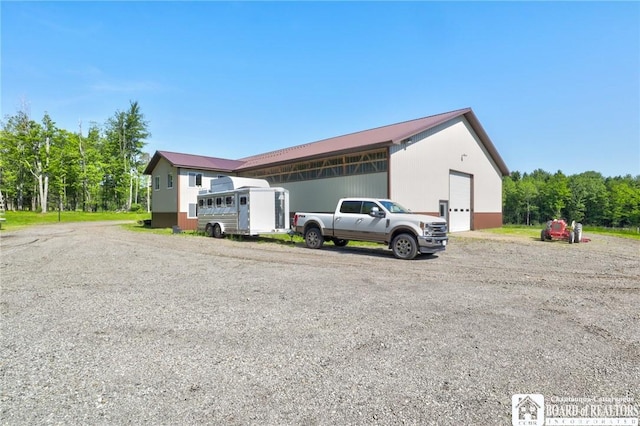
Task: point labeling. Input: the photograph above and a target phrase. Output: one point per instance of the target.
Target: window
(229, 201)
(344, 165)
(243, 201)
(218, 201)
(195, 179)
(200, 202)
(350, 207)
(367, 206)
(394, 207)
(193, 210)
(169, 181)
(156, 183)
(444, 208)
(209, 202)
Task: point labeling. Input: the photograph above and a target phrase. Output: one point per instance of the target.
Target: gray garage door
(459, 202)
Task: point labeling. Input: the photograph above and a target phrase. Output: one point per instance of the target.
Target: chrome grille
(439, 229)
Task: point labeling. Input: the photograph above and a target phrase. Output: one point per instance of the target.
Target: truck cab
(377, 220)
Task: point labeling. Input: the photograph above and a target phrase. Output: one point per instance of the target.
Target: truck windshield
(394, 207)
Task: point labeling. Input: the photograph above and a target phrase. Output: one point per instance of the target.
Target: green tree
(20, 135)
(528, 194)
(510, 200)
(126, 132)
(624, 201)
(92, 166)
(553, 196)
(589, 200)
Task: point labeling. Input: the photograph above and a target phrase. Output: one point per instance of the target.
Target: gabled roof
(380, 136)
(383, 136)
(366, 139)
(190, 161)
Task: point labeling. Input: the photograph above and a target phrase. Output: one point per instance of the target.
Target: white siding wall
(165, 200)
(189, 195)
(322, 195)
(419, 171)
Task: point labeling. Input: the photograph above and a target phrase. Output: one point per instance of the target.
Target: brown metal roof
(382, 136)
(192, 162)
(366, 139)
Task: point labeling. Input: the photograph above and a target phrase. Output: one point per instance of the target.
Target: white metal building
(443, 165)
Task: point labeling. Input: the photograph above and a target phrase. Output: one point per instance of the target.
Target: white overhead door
(459, 202)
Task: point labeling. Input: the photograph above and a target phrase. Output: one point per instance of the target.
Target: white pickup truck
(376, 220)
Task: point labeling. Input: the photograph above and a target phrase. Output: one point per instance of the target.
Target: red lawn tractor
(558, 229)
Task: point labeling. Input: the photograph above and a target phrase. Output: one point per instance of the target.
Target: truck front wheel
(404, 246)
(313, 238)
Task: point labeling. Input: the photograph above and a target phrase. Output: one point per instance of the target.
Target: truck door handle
(359, 220)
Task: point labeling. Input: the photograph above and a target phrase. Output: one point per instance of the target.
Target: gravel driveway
(102, 325)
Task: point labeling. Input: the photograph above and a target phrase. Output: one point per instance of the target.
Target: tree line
(44, 167)
(589, 198)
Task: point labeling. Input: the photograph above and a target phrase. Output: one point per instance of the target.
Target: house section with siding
(442, 165)
(176, 179)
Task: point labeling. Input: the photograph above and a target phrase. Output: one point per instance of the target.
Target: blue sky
(556, 85)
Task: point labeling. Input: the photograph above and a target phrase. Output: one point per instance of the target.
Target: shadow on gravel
(373, 251)
(380, 252)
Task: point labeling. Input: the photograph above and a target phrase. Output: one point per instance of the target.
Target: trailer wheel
(340, 243)
(404, 246)
(217, 231)
(313, 238)
(543, 235)
(208, 230)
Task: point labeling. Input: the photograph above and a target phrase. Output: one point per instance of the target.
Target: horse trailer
(242, 206)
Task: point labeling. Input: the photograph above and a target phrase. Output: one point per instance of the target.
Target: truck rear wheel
(404, 246)
(313, 238)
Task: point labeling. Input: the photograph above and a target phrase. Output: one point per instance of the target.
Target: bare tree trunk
(83, 166)
(34, 198)
(130, 190)
(135, 188)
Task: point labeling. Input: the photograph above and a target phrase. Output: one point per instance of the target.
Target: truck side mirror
(375, 212)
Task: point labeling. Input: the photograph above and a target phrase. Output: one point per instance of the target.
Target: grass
(267, 238)
(18, 220)
(534, 231)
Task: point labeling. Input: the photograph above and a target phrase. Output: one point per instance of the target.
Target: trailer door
(243, 213)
